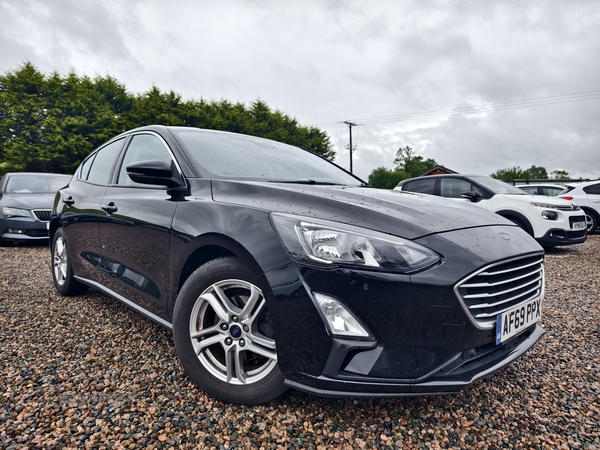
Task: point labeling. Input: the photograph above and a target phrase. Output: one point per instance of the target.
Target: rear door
(135, 229)
(593, 195)
(79, 207)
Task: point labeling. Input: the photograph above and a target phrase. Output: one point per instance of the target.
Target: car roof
(582, 184)
(19, 174)
(541, 184)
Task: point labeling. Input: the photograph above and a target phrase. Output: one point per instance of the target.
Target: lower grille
(500, 287)
(37, 233)
(576, 234)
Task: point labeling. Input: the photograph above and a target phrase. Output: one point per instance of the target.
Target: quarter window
(594, 189)
(84, 170)
(424, 186)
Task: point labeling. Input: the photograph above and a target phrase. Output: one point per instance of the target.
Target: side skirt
(126, 301)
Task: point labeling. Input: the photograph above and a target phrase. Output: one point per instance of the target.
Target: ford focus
(276, 269)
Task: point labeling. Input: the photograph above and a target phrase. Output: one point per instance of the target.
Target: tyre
(591, 221)
(62, 273)
(224, 335)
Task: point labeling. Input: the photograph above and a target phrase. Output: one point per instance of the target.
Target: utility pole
(350, 125)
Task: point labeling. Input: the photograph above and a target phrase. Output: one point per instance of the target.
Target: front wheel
(62, 273)
(224, 335)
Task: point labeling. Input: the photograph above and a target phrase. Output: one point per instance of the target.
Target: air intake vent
(42, 214)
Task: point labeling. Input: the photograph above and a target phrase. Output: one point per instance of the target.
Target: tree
(412, 164)
(49, 123)
(383, 178)
(537, 173)
(560, 174)
(513, 173)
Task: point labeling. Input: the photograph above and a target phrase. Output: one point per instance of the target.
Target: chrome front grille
(42, 214)
(500, 287)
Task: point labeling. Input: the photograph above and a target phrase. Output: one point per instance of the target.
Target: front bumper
(464, 369)
(422, 337)
(559, 236)
(23, 229)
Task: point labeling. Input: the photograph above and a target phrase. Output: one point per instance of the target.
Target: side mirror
(155, 172)
(471, 195)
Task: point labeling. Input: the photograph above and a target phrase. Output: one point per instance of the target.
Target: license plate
(578, 225)
(512, 322)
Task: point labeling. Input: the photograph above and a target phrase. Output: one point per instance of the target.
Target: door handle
(110, 208)
(68, 201)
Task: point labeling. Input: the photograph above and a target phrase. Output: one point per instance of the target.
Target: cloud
(370, 62)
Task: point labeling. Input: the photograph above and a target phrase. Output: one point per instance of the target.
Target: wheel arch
(208, 248)
(510, 214)
(55, 224)
(592, 212)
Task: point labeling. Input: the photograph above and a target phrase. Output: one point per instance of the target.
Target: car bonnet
(28, 201)
(398, 213)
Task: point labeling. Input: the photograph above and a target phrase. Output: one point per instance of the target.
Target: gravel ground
(87, 372)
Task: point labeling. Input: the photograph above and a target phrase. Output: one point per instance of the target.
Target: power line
(526, 103)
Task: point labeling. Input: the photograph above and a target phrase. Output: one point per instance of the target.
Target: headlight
(325, 242)
(543, 205)
(15, 212)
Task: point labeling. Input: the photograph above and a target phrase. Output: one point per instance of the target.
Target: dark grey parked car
(25, 204)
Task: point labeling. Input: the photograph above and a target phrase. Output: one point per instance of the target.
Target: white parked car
(587, 196)
(551, 221)
(549, 190)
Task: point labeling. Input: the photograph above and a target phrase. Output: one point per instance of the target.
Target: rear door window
(103, 163)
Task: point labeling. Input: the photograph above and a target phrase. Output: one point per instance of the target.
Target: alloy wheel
(59, 261)
(231, 332)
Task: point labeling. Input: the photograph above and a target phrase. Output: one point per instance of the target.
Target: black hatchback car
(275, 268)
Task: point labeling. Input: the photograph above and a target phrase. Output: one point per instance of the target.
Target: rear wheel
(591, 221)
(224, 335)
(62, 273)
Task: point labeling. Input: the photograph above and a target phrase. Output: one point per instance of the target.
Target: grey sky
(324, 62)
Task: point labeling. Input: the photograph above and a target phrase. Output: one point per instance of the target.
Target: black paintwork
(140, 243)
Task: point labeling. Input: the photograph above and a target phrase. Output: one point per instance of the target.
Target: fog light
(15, 231)
(549, 215)
(339, 320)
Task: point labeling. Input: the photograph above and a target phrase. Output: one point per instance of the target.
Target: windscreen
(497, 186)
(236, 156)
(36, 183)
